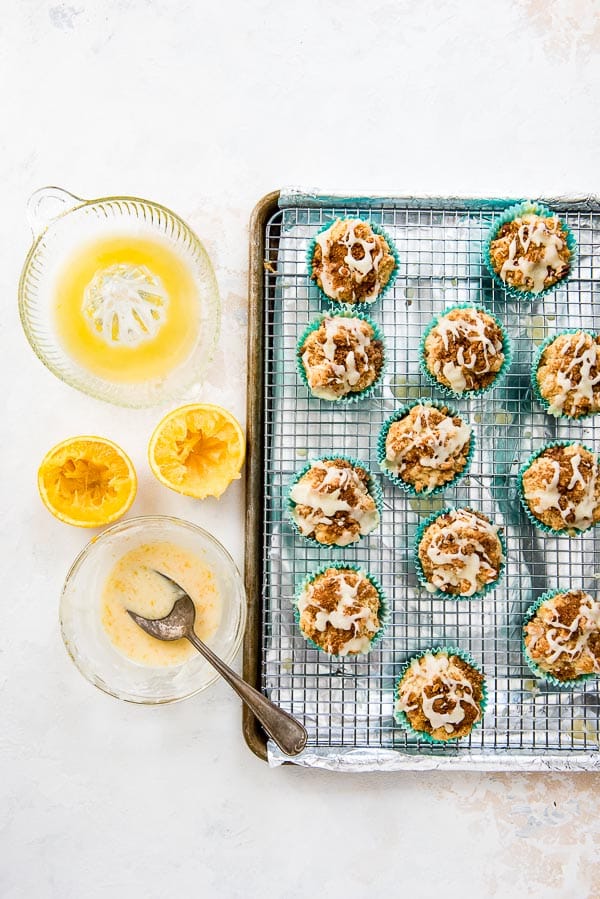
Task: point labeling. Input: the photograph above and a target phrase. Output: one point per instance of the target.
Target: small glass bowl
(92, 650)
(61, 223)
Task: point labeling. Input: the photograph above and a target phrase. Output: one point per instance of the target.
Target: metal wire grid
(349, 703)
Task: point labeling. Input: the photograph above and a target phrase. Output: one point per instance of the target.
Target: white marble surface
(206, 107)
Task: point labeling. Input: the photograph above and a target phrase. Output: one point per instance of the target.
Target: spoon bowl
(174, 626)
(177, 624)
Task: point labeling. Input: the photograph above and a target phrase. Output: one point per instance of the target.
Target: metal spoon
(288, 733)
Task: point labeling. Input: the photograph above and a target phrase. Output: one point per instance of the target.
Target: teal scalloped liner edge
(563, 532)
(377, 229)
(535, 365)
(506, 348)
(398, 415)
(383, 614)
(533, 666)
(400, 716)
(508, 215)
(439, 594)
(314, 325)
(374, 490)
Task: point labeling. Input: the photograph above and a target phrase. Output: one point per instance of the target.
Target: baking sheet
(347, 705)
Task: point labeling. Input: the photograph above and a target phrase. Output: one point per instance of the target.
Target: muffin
(340, 356)
(561, 636)
(560, 489)
(530, 252)
(341, 610)
(459, 553)
(332, 502)
(352, 262)
(465, 350)
(425, 447)
(440, 695)
(566, 374)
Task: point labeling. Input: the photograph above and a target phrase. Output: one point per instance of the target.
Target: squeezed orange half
(197, 450)
(87, 481)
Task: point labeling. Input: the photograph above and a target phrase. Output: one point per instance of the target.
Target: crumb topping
(464, 350)
(460, 553)
(562, 489)
(441, 695)
(428, 447)
(568, 374)
(341, 356)
(563, 637)
(351, 263)
(339, 611)
(531, 252)
(333, 503)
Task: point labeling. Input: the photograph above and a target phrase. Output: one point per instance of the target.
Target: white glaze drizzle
(474, 566)
(357, 268)
(584, 359)
(340, 378)
(578, 515)
(558, 634)
(325, 503)
(472, 329)
(425, 672)
(444, 439)
(540, 234)
(341, 617)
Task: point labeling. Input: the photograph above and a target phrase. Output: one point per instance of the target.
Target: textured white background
(205, 107)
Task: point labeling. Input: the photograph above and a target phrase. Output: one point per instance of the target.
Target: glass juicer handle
(48, 203)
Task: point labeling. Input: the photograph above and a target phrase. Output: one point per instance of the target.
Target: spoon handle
(283, 729)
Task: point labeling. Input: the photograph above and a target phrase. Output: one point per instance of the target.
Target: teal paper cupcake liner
(377, 230)
(534, 368)
(533, 666)
(396, 478)
(440, 594)
(568, 532)
(507, 216)
(344, 312)
(500, 376)
(401, 718)
(383, 613)
(374, 490)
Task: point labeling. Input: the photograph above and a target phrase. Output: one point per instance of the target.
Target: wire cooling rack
(347, 704)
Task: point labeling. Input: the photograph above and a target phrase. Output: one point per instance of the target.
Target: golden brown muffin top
(441, 695)
(427, 447)
(563, 637)
(530, 253)
(562, 489)
(568, 374)
(464, 350)
(333, 503)
(341, 356)
(460, 552)
(339, 611)
(351, 263)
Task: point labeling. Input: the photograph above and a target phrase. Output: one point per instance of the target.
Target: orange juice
(126, 308)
